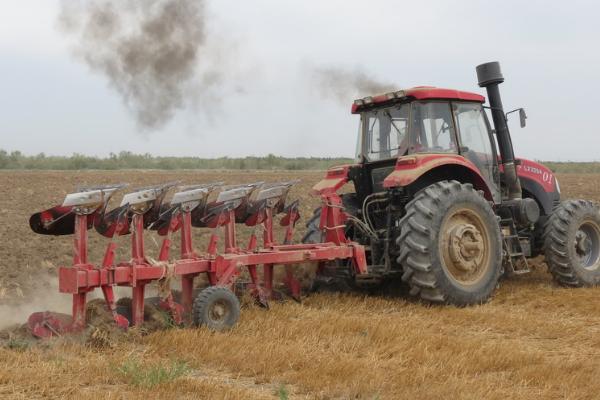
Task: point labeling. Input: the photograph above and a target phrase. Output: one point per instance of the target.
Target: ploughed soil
(534, 339)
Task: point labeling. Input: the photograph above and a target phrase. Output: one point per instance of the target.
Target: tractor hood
(539, 173)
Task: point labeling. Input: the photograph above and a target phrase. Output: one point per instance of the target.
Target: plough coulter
(215, 207)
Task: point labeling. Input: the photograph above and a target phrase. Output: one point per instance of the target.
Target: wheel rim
(218, 312)
(465, 246)
(587, 245)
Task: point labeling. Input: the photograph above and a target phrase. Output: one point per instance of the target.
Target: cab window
(386, 132)
(475, 139)
(432, 128)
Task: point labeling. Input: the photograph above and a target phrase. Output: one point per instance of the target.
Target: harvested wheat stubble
(533, 340)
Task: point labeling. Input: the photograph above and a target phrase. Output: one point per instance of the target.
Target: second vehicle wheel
(450, 245)
(217, 308)
(572, 243)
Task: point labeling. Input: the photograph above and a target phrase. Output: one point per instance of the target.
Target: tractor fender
(409, 169)
(546, 200)
(539, 182)
(335, 178)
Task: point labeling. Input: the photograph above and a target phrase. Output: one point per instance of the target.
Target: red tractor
(441, 203)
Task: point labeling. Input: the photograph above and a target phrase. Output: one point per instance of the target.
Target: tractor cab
(424, 121)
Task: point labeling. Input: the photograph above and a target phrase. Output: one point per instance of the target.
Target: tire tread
(415, 241)
(556, 241)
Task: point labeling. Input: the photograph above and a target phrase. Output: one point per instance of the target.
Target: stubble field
(534, 339)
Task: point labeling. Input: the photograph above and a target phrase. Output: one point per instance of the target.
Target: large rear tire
(572, 243)
(450, 245)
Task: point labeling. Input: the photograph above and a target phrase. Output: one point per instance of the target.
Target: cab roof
(415, 93)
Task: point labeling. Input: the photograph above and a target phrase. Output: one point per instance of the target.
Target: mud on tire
(572, 243)
(450, 245)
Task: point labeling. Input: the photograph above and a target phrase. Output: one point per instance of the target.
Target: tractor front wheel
(572, 243)
(450, 245)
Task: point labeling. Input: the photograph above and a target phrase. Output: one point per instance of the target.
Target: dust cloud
(45, 298)
(154, 53)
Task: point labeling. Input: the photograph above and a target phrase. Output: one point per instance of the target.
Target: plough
(211, 206)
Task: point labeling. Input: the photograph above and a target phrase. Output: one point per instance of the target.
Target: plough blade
(164, 223)
(60, 220)
(291, 214)
(192, 199)
(175, 309)
(147, 201)
(57, 221)
(115, 222)
(47, 324)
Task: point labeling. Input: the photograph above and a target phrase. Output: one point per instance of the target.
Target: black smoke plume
(345, 85)
(152, 51)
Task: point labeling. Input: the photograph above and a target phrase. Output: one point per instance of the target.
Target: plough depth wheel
(217, 308)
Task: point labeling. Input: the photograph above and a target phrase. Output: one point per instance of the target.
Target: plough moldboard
(211, 206)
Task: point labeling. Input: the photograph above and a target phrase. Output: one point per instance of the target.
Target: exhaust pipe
(489, 76)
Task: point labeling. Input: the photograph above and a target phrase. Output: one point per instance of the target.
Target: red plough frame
(222, 268)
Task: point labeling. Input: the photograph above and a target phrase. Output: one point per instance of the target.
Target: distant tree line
(128, 160)
(569, 167)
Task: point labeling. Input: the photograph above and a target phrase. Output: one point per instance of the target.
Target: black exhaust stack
(489, 77)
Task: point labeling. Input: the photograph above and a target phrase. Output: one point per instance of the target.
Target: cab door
(477, 143)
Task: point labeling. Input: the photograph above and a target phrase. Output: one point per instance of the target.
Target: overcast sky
(52, 102)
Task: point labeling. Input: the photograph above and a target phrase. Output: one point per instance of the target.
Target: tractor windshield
(418, 127)
(432, 128)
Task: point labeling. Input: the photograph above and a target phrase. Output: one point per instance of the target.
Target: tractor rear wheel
(217, 308)
(572, 243)
(450, 245)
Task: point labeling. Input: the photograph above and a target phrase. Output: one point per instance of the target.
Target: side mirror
(522, 117)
